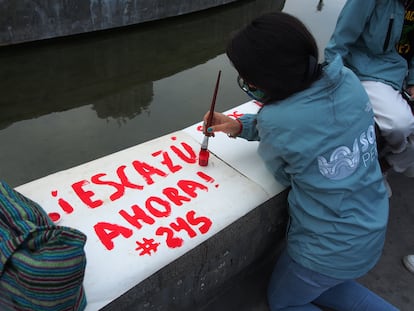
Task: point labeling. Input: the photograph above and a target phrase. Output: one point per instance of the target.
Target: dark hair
(277, 54)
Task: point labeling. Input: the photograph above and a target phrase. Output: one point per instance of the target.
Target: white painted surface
(206, 199)
(239, 153)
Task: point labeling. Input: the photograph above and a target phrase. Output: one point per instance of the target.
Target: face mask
(253, 92)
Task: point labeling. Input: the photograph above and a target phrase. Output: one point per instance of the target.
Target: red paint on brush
(203, 157)
(204, 153)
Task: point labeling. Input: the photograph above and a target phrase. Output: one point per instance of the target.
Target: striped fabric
(41, 265)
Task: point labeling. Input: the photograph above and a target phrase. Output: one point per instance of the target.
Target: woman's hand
(222, 123)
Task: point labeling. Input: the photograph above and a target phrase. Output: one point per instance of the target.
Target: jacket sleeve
(269, 148)
(350, 25)
(272, 151)
(249, 130)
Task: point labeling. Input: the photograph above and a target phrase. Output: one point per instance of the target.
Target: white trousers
(395, 119)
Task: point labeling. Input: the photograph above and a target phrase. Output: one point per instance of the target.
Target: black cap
(277, 54)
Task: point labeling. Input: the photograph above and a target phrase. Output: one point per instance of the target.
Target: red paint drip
(54, 216)
(65, 206)
(62, 203)
(203, 157)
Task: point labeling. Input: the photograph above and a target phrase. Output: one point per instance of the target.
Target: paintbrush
(204, 153)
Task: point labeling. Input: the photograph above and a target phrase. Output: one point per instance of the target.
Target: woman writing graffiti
(316, 135)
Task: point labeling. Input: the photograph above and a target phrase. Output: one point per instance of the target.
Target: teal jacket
(321, 143)
(366, 36)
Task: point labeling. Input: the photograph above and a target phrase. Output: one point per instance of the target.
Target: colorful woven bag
(42, 265)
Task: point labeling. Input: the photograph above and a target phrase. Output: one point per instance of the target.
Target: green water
(66, 102)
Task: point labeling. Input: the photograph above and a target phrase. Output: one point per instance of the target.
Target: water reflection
(67, 102)
(113, 71)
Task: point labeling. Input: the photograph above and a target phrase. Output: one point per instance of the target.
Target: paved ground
(389, 278)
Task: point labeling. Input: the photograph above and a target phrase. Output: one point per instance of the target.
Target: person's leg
(403, 162)
(352, 296)
(293, 287)
(395, 119)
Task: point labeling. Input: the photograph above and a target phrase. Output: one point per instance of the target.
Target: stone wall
(29, 20)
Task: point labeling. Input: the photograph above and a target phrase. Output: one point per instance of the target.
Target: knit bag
(42, 265)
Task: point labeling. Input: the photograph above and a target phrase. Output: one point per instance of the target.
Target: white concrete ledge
(147, 206)
(200, 276)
